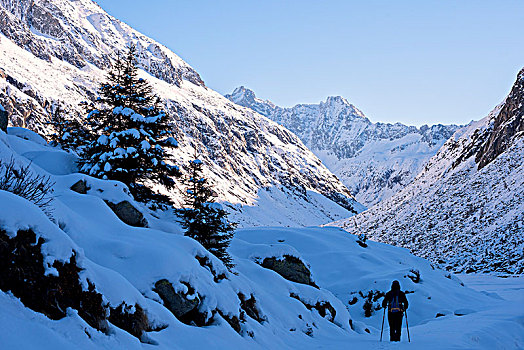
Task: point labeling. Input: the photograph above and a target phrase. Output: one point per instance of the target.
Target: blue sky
(415, 62)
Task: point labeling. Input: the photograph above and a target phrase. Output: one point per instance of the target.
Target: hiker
(396, 302)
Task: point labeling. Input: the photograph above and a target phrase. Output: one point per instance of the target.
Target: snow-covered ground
(124, 262)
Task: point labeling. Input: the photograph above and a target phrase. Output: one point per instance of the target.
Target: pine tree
(68, 132)
(129, 134)
(203, 219)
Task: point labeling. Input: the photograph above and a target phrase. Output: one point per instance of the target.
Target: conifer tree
(203, 219)
(129, 133)
(68, 132)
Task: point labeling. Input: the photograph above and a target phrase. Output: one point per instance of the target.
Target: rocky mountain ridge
(56, 52)
(81, 33)
(465, 210)
(374, 160)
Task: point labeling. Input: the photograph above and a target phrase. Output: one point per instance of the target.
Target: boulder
(176, 302)
(249, 306)
(80, 187)
(128, 214)
(3, 119)
(291, 268)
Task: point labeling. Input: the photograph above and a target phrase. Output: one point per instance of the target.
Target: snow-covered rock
(465, 210)
(374, 160)
(57, 51)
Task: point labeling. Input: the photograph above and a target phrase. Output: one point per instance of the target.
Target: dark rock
(80, 187)
(249, 306)
(291, 268)
(128, 214)
(233, 321)
(3, 119)
(176, 302)
(136, 323)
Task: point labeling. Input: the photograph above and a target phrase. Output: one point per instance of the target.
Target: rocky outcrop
(180, 304)
(324, 308)
(23, 272)
(128, 213)
(374, 160)
(249, 306)
(508, 124)
(291, 268)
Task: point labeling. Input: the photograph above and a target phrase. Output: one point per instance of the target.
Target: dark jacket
(395, 290)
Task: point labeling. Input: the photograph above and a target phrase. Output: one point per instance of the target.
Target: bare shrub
(23, 182)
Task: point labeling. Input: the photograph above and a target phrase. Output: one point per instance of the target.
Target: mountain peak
(337, 100)
(245, 97)
(242, 93)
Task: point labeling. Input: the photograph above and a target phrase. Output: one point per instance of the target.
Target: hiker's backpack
(394, 305)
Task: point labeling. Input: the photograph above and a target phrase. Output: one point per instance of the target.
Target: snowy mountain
(57, 51)
(465, 210)
(74, 275)
(374, 160)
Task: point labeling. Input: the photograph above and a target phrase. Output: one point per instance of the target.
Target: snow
(124, 262)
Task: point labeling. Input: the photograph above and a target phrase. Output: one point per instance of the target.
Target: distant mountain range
(465, 210)
(58, 51)
(374, 160)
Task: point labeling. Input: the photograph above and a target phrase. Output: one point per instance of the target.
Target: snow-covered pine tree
(129, 134)
(203, 219)
(68, 132)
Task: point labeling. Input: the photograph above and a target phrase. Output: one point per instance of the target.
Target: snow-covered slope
(58, 50)
(465, 210)
(375, 160)
(81, 33)
(124, 264)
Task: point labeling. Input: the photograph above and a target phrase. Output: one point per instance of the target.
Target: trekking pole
(383, 316)
(407, 326)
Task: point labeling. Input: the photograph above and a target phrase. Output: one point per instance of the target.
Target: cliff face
(375, 160)
(507, 125)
